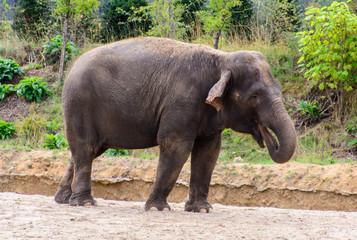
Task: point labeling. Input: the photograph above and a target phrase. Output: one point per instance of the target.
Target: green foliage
(117, 152)
(188, 17)
(5, 89)
(4, 8)
(311, 109)
(273, 18)
(8, 68)
(7, 130)
(242, 14)
(329, 47)
(75, 8)
(33, 66)
(31, 18)
(353, 143)
(31, 129)
(32, 89)
(53, 126)
(239, 145)
(166, 18)
(55, 141)
(52, 50)
(351, 128)
(115, 19)
(217, 16)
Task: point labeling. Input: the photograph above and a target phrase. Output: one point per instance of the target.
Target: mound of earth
(290, 185)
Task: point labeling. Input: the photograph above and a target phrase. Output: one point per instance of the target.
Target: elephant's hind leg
(65, 190)
(75, 186)
(82, 184)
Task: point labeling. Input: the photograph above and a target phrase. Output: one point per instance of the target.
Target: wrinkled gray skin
(145, 92)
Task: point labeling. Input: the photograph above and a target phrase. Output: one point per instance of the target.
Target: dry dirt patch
(38, 217)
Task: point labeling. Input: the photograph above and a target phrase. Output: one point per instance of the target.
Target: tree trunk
(63, 51)
(216, 39)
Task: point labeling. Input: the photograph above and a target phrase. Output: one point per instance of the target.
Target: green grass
(244, 146)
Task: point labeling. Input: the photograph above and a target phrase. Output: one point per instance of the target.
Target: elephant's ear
(215, 94)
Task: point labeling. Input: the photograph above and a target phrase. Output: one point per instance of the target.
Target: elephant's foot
(63, 195)
(82, 199)
(157, 205)
(198, 206)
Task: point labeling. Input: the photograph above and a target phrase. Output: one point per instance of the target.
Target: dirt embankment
(291, 185)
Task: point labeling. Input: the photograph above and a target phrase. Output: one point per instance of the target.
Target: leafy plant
(52, 50)
(5, 89)
(6, 129)
(8, 68)
(329, 47)
(53, 126)
(353, 143)
(117, 152)
(32, 89)
(351, 127)
(311, 109)
(33, 66)
(55, 141)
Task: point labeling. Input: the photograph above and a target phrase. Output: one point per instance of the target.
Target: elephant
(145, 92)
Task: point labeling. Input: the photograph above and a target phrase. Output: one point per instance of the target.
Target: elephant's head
(249, 100)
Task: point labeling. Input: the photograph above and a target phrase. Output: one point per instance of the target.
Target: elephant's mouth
(261, 134)
(268, 137)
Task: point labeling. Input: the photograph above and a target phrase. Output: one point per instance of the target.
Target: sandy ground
(39, 217)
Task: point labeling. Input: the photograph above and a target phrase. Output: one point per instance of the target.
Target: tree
(75, 9)
(188, 17)
(217, 17)
(165, 16)
(31, 18)
(115, 20)
(329, 48)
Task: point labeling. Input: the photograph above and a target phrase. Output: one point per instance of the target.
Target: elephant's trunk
(280, 123)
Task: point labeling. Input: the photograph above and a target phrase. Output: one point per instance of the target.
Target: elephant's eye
(254, 99)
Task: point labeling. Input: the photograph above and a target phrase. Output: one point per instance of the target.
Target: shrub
(6, 129)
(117, 152)
(52, 50)
(53, 126)
(31, 129)
(311, 109)
(329, 47)
(55, 141)
(353, 142)
(8, 68)
(32, 89)
(351, 128)
(5, 89)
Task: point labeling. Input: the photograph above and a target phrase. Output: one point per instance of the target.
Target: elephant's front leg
(203, 160)
(173, 155)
